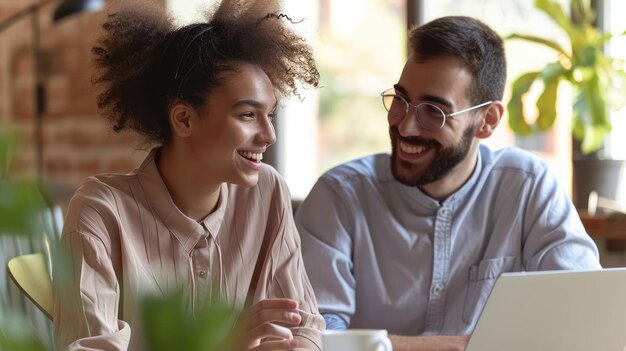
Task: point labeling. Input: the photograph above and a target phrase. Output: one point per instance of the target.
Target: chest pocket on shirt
(482, 277)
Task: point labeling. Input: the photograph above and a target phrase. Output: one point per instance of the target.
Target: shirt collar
(213, 221)
(418, 197)
(469, 184)
(186, 230)
(412, 194)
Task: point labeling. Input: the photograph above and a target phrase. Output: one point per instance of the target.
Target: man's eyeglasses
(429, 116)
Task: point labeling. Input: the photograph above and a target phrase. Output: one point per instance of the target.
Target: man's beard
(444, 161)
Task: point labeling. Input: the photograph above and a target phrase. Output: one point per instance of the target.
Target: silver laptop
(554, 311)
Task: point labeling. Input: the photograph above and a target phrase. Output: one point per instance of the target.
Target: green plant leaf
(588, 56)
(603, 38)
(582, 12)
(617, 95)
(591, 117)
(594, 93)
(554, 10)
(9, 144)
(599, 82)
(17, 333)
(515, 107)
(170, 326)
(546, 103)
(21, 208)
(543, 41)
(594, 139)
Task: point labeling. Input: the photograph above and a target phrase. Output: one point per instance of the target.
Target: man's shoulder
(512, 159)
(369, 168)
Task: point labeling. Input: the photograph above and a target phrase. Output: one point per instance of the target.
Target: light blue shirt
(384, 255)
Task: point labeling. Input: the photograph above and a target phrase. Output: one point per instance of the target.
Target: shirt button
(444, 211)
(437, 288)
(202, 274)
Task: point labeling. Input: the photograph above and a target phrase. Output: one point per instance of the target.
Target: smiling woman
(201, 214)
(228, 148)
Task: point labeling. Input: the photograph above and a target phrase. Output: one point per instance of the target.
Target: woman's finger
(270, 319)
(282, 304)
(275, 316)
(277, 345)
(268, 330)
(284, 311)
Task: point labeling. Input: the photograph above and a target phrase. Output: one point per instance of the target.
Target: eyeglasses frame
(409, 104)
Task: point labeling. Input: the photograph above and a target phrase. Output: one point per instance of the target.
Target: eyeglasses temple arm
(469, 109)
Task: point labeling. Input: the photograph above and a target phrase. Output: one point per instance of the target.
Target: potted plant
(20, 206)
(598, 83)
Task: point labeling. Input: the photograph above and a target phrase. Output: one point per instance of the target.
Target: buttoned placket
(441, 263)
(203, 257)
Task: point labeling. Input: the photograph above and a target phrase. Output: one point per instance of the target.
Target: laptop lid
(553, 311)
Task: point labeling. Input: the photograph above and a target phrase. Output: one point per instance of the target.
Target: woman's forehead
(246, 82)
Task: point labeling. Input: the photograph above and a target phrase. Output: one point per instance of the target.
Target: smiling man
(413, 242)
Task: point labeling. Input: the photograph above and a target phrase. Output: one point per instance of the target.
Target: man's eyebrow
(437, 99)
(400, 88)
(424, 98)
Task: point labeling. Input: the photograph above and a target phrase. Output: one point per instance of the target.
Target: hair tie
(209, 27)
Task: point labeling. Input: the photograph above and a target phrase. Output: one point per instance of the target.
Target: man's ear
(490, 119)
(180, 119)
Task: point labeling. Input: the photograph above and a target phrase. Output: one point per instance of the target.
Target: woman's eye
(248, 115)
(271, 116)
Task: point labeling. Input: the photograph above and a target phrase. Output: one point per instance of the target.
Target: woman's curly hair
(144, 62)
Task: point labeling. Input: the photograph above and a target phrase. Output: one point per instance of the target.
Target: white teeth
(256, 156)
(411, 149)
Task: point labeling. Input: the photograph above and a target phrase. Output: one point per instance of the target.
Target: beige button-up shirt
(128, 239)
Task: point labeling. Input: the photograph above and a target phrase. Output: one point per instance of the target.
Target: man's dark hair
(144, 62)
(477, 45)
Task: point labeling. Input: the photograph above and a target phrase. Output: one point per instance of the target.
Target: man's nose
(409, 125)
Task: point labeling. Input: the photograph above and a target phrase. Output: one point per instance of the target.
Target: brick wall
(76, 140)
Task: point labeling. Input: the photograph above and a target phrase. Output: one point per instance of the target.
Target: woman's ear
(490, 120)
(180, 119)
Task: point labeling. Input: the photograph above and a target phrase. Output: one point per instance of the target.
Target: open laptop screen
(553, 311)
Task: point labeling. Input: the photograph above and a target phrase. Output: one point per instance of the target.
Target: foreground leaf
(170, 326)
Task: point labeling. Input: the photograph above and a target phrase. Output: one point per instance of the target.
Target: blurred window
(614, 11)
(360, 46)
(520, 16)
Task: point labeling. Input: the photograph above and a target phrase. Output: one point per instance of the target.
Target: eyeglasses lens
(429, 116)
(395, 105)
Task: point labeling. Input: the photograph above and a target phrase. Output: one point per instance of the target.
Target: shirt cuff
(334, 322)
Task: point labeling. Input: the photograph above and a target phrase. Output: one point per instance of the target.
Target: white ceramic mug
(356, 340)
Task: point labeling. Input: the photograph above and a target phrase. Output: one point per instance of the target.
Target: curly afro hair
(144, 62)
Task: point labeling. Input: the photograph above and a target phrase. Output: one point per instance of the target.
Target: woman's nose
(267, 134)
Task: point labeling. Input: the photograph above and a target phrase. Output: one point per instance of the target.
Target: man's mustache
(414, 140)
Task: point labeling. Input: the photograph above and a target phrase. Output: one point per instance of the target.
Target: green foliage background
(599, 81)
